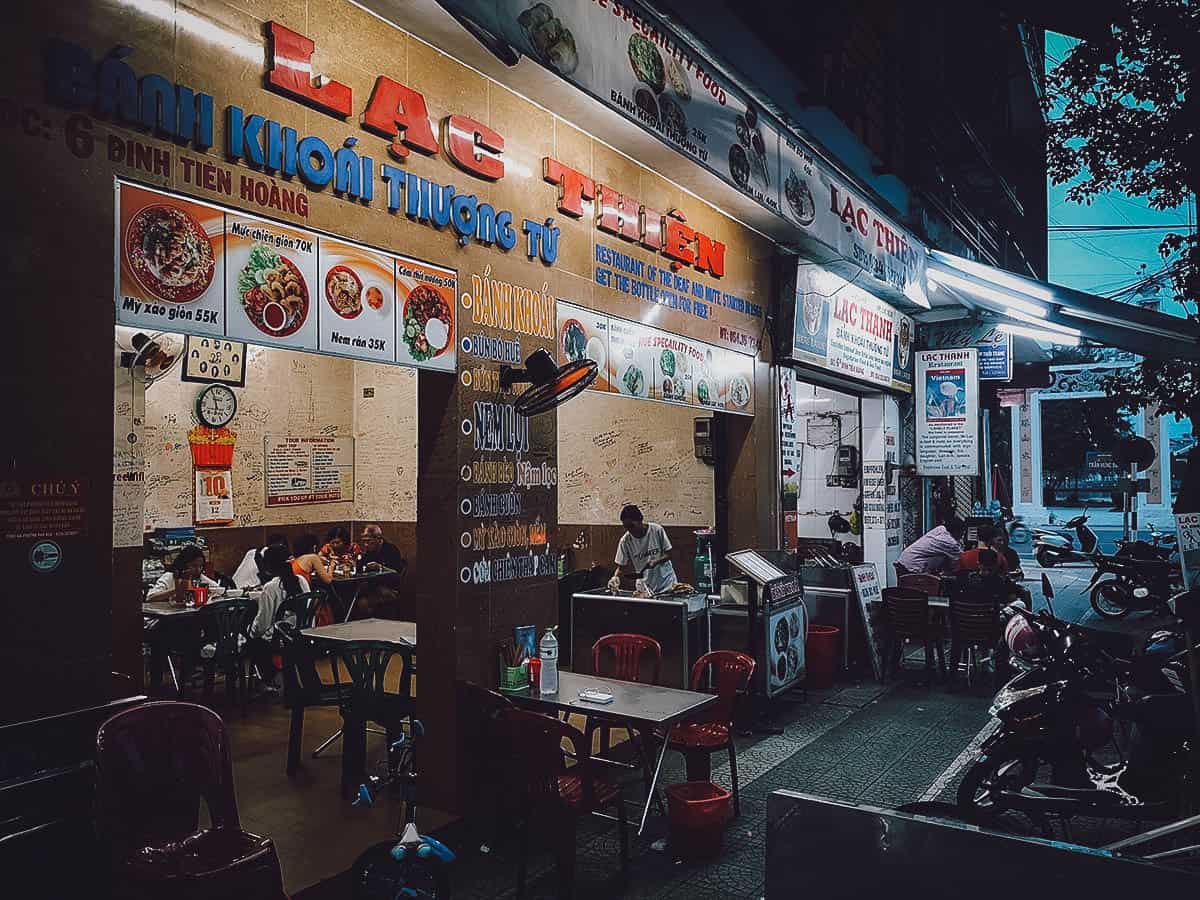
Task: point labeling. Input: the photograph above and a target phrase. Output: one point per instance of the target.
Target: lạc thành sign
(947, 412)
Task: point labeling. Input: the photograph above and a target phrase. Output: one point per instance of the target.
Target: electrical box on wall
(702, 437)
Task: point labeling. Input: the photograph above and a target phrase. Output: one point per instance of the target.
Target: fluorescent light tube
(996, 295)
(1103, 319)
(1041, 334)
(993, 274)
(1041, 323)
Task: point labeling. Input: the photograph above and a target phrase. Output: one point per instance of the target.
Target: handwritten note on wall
(291, 393)
(613, 451)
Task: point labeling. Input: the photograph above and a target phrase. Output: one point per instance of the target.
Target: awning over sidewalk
(1054, 314)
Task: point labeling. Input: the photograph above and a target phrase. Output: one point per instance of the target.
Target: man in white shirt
(251, 571)
(644, 551)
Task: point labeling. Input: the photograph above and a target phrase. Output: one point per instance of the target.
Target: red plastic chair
(550, 793)
(154, 765)
(712, 731)
(626, 652)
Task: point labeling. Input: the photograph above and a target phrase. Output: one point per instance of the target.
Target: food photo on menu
(583, 334)
(358, 307)
(171, 255)
(426, 295)
(271, 274)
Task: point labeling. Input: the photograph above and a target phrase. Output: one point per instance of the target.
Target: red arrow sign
(788, 473)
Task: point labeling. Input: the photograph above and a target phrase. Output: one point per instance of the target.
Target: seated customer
(283, 583)
(380, 553)
(250, 572)
(187, 567)
(308, 563)
(936, 551)
(1002, 560)
(338, 544)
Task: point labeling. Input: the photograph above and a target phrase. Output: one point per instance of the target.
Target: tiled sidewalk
(881, 745)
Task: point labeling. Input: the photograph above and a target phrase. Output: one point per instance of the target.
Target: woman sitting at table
(283, 583)
(307, 562)
(339, 546)
(187, 568)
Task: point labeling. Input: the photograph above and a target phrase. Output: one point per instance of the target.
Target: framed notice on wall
(214, 496)
(301, 469)
(948, 412)
(210, 360)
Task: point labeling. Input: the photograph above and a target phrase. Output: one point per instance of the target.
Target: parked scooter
(1052, 549)
(1135, 584)
(1063, 709)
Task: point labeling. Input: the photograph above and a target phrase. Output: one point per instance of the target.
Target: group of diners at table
(268, 576)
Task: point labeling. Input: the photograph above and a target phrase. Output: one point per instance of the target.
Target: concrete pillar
(881, 502)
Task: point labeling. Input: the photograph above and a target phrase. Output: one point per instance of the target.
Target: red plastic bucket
(820, 652)
(696, 816)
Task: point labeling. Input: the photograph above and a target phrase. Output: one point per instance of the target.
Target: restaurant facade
(275, 256)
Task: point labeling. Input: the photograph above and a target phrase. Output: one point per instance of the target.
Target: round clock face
(216, 406)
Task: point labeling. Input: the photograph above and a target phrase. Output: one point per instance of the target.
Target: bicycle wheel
(376, 876)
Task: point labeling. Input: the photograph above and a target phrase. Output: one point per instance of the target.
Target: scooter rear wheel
(1110, 600)
(1045, 558)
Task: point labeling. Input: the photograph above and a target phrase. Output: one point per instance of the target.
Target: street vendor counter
(679, 624)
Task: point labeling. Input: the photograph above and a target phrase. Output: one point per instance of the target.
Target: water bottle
(548, 651)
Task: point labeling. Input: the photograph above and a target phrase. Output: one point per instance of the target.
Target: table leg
(654, 781)
(354, 755)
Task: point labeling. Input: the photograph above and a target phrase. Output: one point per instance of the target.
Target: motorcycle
(1160, 546)
(1136, 584)
(1064, 707)
(1052, 548)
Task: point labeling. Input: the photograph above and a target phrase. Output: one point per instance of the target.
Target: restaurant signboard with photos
(846, 330)
(630, 61)
(947, 407)
(646, 363)
(198, 269)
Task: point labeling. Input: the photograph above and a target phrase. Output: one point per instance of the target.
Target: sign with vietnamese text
(846, 330)
(948, 412)
(35, 507)
(1187, 526)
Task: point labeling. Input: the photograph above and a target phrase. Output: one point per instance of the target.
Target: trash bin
(820, 652)
(696, 815)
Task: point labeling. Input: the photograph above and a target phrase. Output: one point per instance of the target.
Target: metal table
(354, 745)
(647, 706)
(357, 581)
(395, 632)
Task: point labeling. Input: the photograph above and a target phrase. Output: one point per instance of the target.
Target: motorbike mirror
(1141, 593)
(1047, 590)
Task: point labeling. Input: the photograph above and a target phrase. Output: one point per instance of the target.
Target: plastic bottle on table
(548, 652)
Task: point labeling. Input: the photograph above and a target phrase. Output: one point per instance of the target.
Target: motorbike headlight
(1141, 593)
(1010, 696)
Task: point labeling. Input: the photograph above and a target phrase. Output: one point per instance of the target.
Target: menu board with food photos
(196, 269)
(649, 364)
(171, 259)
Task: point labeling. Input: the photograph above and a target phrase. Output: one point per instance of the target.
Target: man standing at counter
(644, 552)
